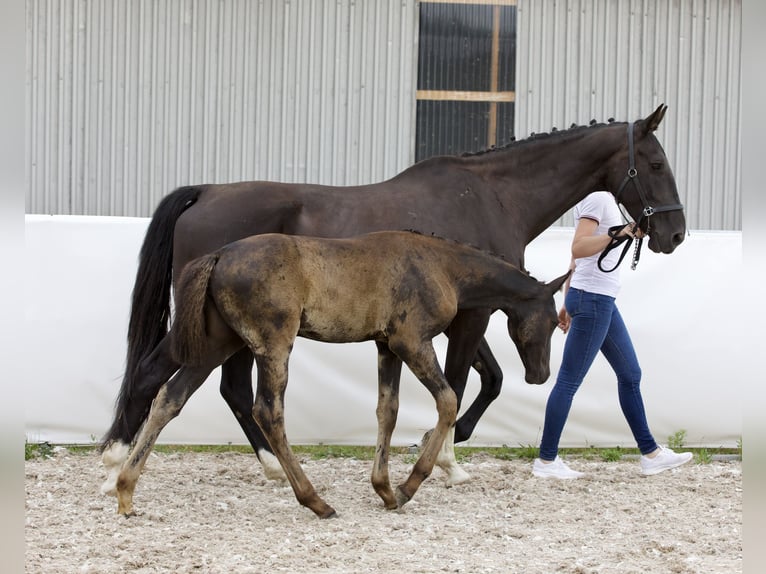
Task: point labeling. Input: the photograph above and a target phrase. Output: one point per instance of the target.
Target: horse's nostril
(678, 238)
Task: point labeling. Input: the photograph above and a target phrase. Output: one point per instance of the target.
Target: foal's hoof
(330, 513)
(401, 498)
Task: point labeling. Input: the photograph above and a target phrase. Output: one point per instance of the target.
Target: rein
(648, 211)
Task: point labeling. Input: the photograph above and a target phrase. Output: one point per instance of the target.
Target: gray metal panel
(585, 59)
(129, 99)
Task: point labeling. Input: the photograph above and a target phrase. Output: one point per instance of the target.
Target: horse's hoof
(401, 498)
(457, 475)
(109, 488)
(271, 467)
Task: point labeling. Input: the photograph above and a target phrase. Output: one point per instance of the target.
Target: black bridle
(646, 214)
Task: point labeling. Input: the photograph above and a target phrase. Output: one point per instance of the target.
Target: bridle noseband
(646, 214)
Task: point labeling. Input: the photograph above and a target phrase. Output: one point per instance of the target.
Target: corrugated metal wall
(129, 99)
(585, 59)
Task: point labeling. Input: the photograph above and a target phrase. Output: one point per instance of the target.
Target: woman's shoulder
(594, 205)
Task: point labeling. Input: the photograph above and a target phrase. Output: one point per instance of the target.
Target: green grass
(323, 451)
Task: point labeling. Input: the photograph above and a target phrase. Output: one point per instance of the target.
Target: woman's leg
(618, 350)
(590, 321)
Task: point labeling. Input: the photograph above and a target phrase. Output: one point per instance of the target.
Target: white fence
(685, 312)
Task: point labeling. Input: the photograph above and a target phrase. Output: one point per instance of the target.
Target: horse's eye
(656, 165)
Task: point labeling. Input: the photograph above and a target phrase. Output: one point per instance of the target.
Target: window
(466, 76)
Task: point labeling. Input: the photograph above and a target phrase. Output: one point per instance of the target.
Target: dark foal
(399, 289)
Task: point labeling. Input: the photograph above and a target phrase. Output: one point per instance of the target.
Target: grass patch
(37, 450)
(411, 453)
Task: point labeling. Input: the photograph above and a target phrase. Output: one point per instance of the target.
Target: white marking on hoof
(271, 467)
(446, 461)
(112, 459)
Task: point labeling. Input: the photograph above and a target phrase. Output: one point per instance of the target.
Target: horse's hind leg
(166, 406)
(424, 365)
(237, 390)
(268, 411)
(389, 373)
(152, 373)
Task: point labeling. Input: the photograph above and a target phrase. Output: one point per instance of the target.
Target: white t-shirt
(599, 206)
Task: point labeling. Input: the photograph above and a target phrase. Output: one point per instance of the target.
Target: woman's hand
(564, 319)
(631, 230)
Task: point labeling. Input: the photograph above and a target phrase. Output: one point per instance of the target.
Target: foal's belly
(341, 327)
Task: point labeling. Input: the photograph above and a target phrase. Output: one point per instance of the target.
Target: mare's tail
(150, 305)
(188, 341)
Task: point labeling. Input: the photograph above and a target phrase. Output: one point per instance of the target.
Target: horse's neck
(548, 175)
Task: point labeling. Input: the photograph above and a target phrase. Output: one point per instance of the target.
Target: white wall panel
(129, 99)
(331, 397)
(594, 59)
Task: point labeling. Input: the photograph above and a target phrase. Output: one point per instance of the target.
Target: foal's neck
(489, 282)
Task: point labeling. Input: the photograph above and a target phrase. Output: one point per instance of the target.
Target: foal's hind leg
(237, 390)
(168, 403)
(152, 373)
(268, 411)
(389, 373)
(423, 363)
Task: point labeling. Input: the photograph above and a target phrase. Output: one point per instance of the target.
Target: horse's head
(642, 181)
(531, 322)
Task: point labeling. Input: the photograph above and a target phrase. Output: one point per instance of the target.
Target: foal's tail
(150, 305)
(188, 341)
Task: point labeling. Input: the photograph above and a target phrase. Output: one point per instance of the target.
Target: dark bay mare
(499, 200)
(399, 289)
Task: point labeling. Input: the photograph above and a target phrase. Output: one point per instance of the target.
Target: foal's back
(337, 290)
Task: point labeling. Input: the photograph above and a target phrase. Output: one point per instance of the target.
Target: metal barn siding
(594, 59)
(129, 99)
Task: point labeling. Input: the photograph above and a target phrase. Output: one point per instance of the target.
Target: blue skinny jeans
(596, 326)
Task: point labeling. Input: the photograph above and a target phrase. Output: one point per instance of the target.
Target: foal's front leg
(424, 365)
(389, 373)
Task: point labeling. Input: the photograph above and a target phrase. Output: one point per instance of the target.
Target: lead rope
(616, 242)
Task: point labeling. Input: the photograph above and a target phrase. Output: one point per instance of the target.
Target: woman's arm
(586, 243)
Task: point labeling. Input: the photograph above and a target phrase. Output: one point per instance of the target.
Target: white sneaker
(555, 469)
(665, 460)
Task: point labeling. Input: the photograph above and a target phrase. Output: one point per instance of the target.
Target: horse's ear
(653, 121)
(556, 285)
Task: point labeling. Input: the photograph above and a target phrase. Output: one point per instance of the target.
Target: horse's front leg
(424, 365)
(166, 406)
(465, 337)
(491, 383)
(237, 390)
(389, 374)
(268, 412)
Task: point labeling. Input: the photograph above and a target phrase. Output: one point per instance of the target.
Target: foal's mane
(533, 137)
